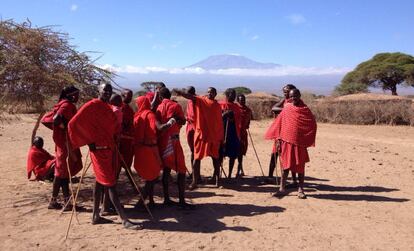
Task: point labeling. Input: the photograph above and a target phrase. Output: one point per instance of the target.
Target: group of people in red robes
(148, 139)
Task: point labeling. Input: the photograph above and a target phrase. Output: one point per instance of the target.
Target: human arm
(184, 94)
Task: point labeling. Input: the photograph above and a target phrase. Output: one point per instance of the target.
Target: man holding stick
(295, 130)
(94, 125)
(246, 116)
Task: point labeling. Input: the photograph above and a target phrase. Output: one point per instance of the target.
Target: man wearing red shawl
(208, 135)
(68, 159)
(95, 125)
(295, 129)
(147, 161)
(276, 109)
(171, 152)
(246, 116)
(231, 114)
(126, 146)
(39, 161)
(190, 126)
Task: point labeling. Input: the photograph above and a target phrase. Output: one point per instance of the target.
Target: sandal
(301, 195)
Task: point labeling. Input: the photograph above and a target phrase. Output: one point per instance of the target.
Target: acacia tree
(385, 70)
(36, 63)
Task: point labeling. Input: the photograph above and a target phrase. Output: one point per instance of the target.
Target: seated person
(40, 162)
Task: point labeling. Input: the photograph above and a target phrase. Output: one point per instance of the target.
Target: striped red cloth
(295, 125)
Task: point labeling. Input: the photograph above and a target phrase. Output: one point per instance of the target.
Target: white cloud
(296, 19)
(95, 40)
(255, 37)
(74, 7)
(274, 72)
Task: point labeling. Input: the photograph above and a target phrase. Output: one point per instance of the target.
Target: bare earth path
(359, 186)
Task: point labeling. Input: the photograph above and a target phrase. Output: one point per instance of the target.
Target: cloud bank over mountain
(230, 70)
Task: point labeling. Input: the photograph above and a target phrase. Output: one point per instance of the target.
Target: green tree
(350, 88)
(385, 70)
(150, 86)
(242, 90)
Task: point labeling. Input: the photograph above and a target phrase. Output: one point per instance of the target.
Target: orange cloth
(126, 147)
(190, 116)
(246, 116)
(209, 132)
(39, 162)
(96, 123)
(295, 128)
(171, 152)
(147, 161)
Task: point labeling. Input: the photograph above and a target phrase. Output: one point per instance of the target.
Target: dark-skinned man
(171, 152)
(295, 130)
(209, 132)
(95, 125)
(231, 114)
(246, 117)
(276, 109)
(190, 129)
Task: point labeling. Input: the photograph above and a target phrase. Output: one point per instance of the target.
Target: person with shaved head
(295, 131)
(95, 125)
(209, 132)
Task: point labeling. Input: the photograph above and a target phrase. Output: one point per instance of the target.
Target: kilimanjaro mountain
(229, 61)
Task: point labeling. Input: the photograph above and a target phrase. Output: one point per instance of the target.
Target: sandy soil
(359, 186)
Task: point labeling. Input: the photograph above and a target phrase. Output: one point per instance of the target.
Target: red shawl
(294, 124)
(94, 123)
(127, 119)
(145, 130)
(225, 105)
(38, 161)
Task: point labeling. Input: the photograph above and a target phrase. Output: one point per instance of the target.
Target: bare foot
(101, 220)
(133, 226)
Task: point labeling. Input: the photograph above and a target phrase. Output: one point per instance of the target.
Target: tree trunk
(394, 90)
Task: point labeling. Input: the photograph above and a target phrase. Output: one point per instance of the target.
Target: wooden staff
(135, 184)
(84, 169)
(255, 152)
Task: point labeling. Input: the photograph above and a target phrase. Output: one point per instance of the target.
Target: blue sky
(308, 33)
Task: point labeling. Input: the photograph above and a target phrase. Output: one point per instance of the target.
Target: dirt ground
(359, 187)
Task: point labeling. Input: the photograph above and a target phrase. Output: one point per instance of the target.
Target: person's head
(105, 92)
(191, 90)
(286, 89)
(116, 100)
(38, 142)
(211, 93)
(70, 93)
(241, 99)
(294, 95)
(159, 85)
(165, 93)
(230, 94)
(143, 104)
(126, 96)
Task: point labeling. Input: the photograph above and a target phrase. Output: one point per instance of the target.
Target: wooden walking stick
(134, 183)
(255, 152)
(84, 169)
(70, 175)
